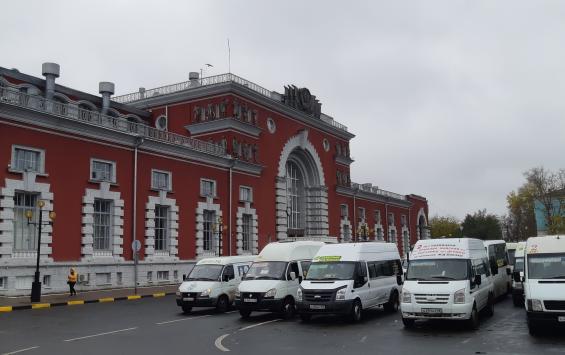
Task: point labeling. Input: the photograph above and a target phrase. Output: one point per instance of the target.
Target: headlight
(536, 306)
(237, 293)
(178, 293)
(406, 296)
(340, 294)
(299, 295)
(271, 293)
(459, 296)
(206, 292)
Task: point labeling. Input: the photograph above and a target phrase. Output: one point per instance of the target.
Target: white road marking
(466, 341)
(363, 339)
(218, 343)
(100, 334)
(230, 312)
(181, 319)
(21, 350)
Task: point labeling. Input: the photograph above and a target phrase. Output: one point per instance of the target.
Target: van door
(362, 288)
(480, 292)
(228, 282)
(386, 280)
(292, 286)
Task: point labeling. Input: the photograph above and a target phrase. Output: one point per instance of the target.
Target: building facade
(210, 166)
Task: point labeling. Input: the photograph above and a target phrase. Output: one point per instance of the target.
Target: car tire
(305, 317)
(244, 313)
(473, 321)
(356, 310)
(408, 322)
(288, 308)
(393, 303)
(186, 309)
(489, 309)
(533, 328)
(223, 304)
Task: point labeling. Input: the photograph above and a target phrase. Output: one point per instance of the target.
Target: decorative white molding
(173, 231)
(202, 206)
(300, 141)
(421, 213)
(380, 238)
(343, 238)
(254, 230)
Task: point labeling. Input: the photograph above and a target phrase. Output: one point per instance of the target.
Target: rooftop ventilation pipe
(106, 89)
(50, 71)
(194, 78)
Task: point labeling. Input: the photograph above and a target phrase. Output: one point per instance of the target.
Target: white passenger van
(271, 282)
(544, 282)
(213, 282)
(517, 286)
(501, 271)
(447, 279)
(511, 252)
(347, 278)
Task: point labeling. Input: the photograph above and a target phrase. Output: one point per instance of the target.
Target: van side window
(396, 267)
(486, 266)
(305, 265)
(292, 267)
(242, 269)
(361, 269)
(228, 272)
(479, 267)
(372, 270)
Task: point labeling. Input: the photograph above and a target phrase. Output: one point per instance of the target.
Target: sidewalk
(8, 304)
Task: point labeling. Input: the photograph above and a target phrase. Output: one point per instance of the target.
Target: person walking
(72, 280)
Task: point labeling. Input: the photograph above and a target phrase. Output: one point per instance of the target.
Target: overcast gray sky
(451, 99)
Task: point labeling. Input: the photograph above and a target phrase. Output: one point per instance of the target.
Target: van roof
(225, 260)
(448, 248)
(520, 249)
(492, 242)
(511, 245)
(546, 244)
(289, 251)
(357, 251)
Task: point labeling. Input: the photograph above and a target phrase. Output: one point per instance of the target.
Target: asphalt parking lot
(156, 325)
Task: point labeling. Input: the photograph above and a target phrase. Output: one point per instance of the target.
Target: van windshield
(519, 264)
(205, 272)
(546, 266)
(511, 256)
(266, 270)
(438, 269)
(342, 270)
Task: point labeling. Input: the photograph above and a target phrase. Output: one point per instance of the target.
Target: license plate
(188, 299)
(561, 319)
(431, 310)
(317, 306)
(249, 300)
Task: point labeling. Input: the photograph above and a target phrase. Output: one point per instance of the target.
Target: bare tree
(547, 188)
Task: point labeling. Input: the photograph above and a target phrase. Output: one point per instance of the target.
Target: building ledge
(223, 124)
(340, 159)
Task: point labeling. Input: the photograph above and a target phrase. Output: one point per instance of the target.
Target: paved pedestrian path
(8, 304)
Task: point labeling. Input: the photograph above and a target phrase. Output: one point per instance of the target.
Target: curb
(4, 309)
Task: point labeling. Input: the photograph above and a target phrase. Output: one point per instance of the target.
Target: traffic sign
(136, 245)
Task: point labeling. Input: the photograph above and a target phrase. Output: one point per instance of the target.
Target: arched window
(295, 196)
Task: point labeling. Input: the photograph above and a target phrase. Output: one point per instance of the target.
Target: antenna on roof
(229, 57)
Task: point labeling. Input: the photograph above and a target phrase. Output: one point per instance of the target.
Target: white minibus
(501, 271)
(213, 282)
(271, 282)
(447, 279)
(544, 281)
(517, 286)
(348, 278)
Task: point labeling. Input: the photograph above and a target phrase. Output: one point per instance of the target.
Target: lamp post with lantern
(220, 228)
(36, 285)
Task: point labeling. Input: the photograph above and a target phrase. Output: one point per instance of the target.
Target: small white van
(271, 282)
(544, 281)
(517, 286)
(347, 278)
(447, 279)
(511, 252)
(213, 282)
(500, 269)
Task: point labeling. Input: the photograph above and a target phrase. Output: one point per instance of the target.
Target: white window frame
(344, 207)
(24, 232)
(41, 162)
(112, 163)
(403, 220)
(378, 217)
(165, 230)
(202, 181)
(208, 232)
(362, 214)
(169, 180)
(3, 282)
(390, 219)
(110, 227)
(247, 232)
(249, 189)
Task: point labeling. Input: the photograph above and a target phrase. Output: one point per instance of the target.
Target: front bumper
(197, 302)
(269, 304)
(549, 318)
(332, 307)
(447, 311)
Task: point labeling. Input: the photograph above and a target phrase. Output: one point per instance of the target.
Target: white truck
(500, 269)
(213, 282)
(348, 278)
(271, 282)
(447, 279)
(544, 281)
(517, 286)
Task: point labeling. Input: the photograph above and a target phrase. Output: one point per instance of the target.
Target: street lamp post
(36, 285)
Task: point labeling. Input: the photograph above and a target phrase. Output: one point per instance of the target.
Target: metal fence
(74, 112)
(377, 191)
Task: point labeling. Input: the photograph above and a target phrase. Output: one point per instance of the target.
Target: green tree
(521, 221)
(482, 225)
(444, 226)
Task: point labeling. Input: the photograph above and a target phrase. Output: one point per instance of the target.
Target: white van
(501, 271)
(347, 278)
(213, 282)
(271, 282)
(511, 252)
(447, 279)
(544, 282)
(517, 286)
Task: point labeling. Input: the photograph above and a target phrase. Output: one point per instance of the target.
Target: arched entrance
(422, 225)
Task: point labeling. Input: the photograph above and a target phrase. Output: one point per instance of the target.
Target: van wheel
(223, 304)
(473, 321)
(408, 323)
(489, 309)
(186, 309)
(516, 300)
(288, 308)
(305, 317)
(244, 313)
(533, 328)
(393, 303)
(356, 310)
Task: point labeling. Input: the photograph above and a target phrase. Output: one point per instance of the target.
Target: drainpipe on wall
(355, 214)
(138, 142)
(230, 208)
(387, 234)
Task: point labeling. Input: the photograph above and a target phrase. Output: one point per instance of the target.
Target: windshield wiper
(442, 277)
(558, 277)
(266, 278)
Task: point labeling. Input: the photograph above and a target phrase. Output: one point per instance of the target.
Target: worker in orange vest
(72, 280)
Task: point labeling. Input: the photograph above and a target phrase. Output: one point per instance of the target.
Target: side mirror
(184, 277)
(365, 279)
(508, 271)
(477, 280)
(300, 279)
(522, 278)
(225, 278)
(516, 276)
(293, 276)
(399, 281)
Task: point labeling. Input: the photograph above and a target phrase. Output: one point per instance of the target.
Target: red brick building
(210, 166)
